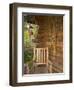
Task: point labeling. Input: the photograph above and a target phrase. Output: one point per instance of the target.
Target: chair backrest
(41, 55)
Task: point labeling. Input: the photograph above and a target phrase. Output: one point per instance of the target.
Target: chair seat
(41, 63)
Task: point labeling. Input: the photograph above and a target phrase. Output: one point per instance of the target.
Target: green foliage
(28, 56)
(27, 37)
(30, 33)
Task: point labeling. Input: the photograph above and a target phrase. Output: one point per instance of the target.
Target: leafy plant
(28, 55)
(30, 33)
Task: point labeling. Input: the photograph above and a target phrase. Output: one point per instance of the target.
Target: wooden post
(47, 56)
(34, 54)
(44, 55)
(50, 68)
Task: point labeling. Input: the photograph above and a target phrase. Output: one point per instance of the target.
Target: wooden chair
(41, 57)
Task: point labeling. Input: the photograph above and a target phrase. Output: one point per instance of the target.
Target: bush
(28, 55)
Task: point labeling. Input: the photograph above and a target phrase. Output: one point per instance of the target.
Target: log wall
(50, 34)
